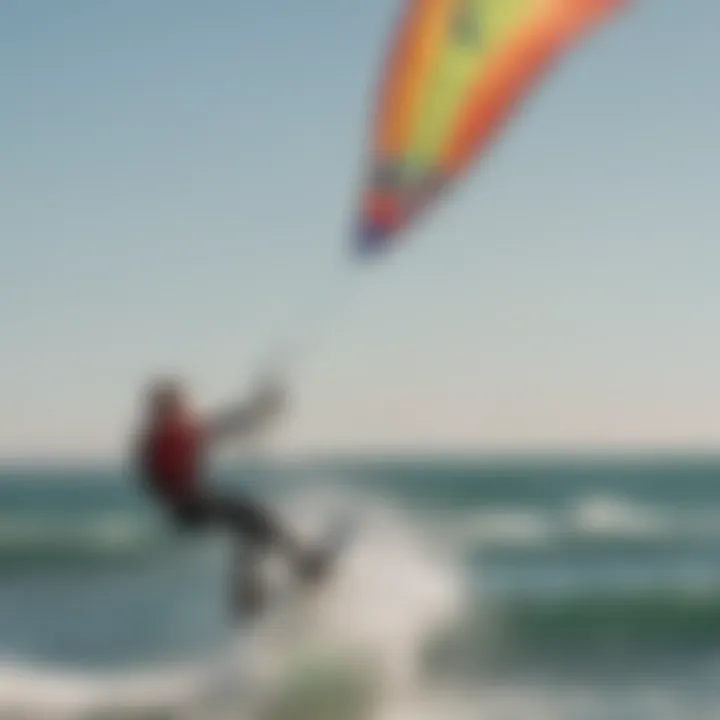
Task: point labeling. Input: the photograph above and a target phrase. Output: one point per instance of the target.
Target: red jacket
(172, 457)
(172, 450)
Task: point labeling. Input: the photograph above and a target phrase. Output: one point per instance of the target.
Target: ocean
(542, 588)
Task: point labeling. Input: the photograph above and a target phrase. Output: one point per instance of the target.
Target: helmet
(165, 393)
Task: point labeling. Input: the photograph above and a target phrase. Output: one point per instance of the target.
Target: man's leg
(265, 530)
(251, 522)
(248, 592)
(260, 531)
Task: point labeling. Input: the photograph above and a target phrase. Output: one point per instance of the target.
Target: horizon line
(61, 462)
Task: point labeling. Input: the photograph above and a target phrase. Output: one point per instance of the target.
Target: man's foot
(249, 594)
(249, 600)
(312, 566)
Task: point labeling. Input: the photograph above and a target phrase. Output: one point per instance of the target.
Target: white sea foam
(593, 518)
(354, 651)
(364, 634)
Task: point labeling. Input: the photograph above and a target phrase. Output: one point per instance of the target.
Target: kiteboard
(324, 556)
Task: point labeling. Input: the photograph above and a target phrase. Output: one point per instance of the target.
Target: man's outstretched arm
(249, 417)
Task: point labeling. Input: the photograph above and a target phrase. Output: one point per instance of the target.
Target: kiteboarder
(173, 443)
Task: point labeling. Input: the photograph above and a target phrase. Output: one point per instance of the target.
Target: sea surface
(517, 588)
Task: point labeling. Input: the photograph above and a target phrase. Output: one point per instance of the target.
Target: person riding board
(174, 441)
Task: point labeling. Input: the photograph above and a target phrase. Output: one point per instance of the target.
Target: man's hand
(264, 406)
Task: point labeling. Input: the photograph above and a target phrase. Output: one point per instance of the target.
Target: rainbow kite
(456, 71)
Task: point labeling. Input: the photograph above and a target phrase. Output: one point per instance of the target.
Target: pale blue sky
(177, 177)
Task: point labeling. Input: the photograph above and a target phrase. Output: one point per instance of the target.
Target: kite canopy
(456, 71)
